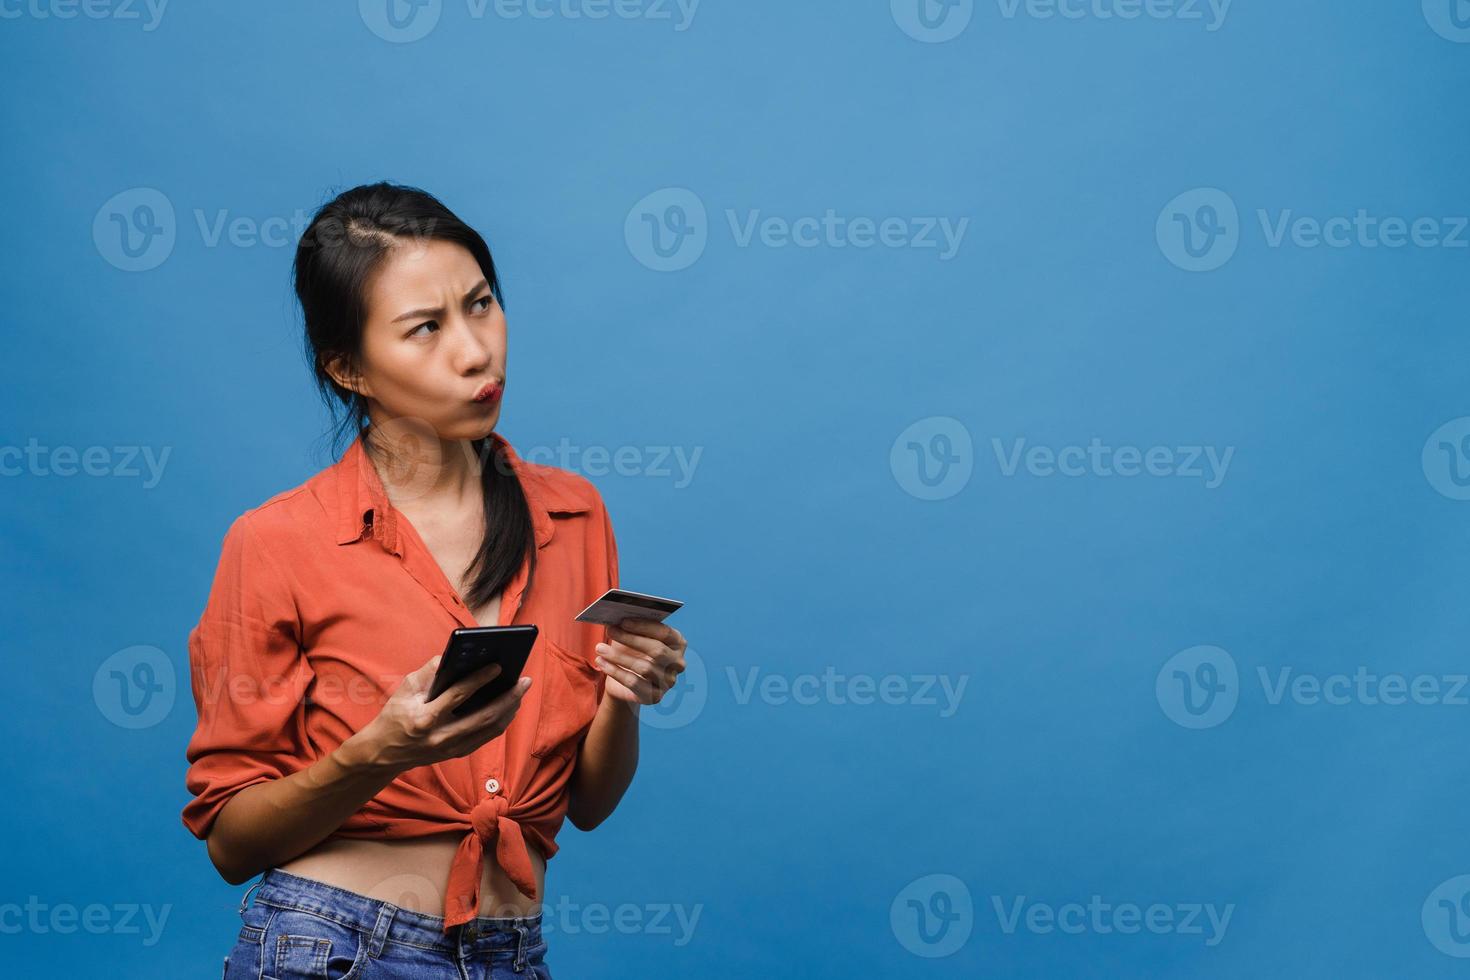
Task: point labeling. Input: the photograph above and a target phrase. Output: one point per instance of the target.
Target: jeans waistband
(383, 922)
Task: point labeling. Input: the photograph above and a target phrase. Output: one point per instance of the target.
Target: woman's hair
(345, 243)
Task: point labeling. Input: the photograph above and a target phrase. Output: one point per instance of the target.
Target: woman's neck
(417, 467)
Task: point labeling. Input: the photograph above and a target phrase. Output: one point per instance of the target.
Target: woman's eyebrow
(436, 310)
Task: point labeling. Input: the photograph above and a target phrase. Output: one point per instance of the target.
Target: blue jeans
(299, 927)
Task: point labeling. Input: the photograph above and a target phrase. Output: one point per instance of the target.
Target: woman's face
(434, 338)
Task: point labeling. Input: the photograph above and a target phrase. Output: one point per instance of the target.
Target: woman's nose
(470, 351)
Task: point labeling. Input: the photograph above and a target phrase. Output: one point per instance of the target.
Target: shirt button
(492, 785)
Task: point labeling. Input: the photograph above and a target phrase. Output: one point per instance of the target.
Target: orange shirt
(325, 597)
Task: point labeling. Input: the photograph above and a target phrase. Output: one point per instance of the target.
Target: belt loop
(246, 897)
(521, 934)
(380, 929)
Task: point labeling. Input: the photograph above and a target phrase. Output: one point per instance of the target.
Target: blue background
(799, 543)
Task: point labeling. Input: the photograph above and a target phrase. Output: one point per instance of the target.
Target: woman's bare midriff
(411, 873)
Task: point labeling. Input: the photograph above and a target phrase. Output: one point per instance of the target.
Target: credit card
(616, 605)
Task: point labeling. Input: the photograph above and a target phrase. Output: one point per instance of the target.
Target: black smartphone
(470, 648)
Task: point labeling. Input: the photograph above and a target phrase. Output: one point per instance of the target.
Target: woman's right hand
(412, 731)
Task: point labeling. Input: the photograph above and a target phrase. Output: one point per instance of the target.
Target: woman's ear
(337, 369)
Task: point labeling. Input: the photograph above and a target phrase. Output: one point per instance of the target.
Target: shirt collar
(363, 508)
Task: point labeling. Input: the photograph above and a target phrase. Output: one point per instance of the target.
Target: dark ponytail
(346, 241)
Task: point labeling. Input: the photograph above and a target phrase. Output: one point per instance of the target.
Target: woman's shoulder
(559, 490)
(282, 518)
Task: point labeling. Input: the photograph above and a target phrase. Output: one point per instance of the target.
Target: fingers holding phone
(425, 720)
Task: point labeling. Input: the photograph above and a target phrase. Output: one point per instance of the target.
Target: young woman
(396, 839)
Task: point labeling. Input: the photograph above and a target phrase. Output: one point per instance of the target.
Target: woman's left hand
(642, 661)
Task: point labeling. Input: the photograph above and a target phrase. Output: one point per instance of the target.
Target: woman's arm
(642, 660)
(269, 823)
(272, 822)
(605, 764)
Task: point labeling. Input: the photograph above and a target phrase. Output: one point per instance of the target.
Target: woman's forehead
(419, 273)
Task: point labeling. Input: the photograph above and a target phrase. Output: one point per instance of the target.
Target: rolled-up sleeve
(250, 678)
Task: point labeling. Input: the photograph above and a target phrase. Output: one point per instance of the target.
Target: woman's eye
(487, 300)
(426, 323)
